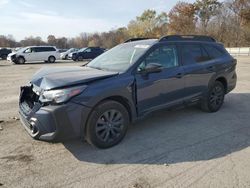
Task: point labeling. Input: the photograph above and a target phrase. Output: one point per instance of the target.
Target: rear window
(213, 51)
(193, 53)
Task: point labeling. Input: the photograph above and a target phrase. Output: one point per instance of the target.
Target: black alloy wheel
(215, 98)
(107, 124)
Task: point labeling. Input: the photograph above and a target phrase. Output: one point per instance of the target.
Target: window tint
(164, 55)
(43, 49)
(213, 51)
(88, 50)
(37, 49)
(193, 53)
(48, 49)
(28, 50)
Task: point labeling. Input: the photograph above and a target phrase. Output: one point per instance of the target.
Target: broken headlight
(60, 95)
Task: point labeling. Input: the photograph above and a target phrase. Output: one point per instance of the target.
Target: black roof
(136, 39)
(187, 38)
(177, 38)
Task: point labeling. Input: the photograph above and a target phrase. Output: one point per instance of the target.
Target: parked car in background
(62, 50)
(16, 49)
(71, 54)
(34, 53)
(99, 101)
(4, 52)
(87, 53)
(64, 55)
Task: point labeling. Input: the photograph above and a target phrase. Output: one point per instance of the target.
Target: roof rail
(187, 38)
(135, 39)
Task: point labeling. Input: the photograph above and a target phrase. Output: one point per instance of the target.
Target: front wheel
(215, 98)
(107, 124)
(4, 57)
(20, 60)
(80, 58)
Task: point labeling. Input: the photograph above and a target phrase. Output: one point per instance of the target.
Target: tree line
(228, 22)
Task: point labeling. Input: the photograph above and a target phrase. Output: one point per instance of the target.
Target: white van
(35, 53)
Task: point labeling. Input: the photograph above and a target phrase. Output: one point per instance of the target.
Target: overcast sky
(68, 18)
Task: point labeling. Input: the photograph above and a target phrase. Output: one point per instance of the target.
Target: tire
(51, 59)
(214, 98)
(4, 57)
(107, 124)
(80, 58)
(20, 60)
(66, 57)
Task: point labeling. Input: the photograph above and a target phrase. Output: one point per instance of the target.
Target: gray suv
(99, 101)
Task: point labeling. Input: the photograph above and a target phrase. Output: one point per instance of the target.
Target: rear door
(158, 90)
(38, 54)
(197, 69)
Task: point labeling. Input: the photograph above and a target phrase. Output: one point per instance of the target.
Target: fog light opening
(33, 128)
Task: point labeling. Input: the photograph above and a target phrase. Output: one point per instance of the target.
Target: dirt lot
(184, 148)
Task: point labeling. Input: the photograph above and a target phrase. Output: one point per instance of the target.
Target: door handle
(179, 75)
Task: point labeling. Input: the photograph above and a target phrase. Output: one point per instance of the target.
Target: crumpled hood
(56, 77)
(11, 54)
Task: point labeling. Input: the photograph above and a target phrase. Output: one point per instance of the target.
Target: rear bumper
(54, 122)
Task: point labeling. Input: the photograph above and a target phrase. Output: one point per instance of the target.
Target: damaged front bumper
(51, 122)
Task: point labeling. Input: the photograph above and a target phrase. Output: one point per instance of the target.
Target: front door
(158, 90)
(30, 54)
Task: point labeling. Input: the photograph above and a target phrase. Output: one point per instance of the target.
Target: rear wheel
(51, 59)
(107, 124)
(215, 98)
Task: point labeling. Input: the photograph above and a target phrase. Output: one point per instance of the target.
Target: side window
(164, 55)
(51, 49)
(37, 49)
(41, 49)
(88, 50)
(193, 53)
(213, 51)
(48, 49)
(29, 50)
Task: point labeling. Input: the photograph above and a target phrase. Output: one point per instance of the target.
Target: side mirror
(152, 68)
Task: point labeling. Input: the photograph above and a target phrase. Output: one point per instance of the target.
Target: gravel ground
(181, 148)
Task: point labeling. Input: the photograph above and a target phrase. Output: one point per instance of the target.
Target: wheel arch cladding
(21, 56)
(223, 81)
(122, 100)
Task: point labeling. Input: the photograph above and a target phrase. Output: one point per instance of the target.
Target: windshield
(70, 50)
(81, 50)
(119, 58)
(21, 50)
